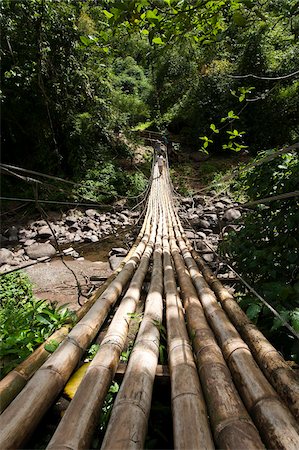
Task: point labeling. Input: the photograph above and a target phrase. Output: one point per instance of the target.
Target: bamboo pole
(231, 424)
(128, 422)
(89, 398)
(276, 424)
(22, 416)
(190, 424)
(279, 373)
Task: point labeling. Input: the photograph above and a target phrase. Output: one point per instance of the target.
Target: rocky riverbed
(94, 243)
(38, 239)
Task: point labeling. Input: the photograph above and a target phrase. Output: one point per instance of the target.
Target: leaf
(157, 40)
(213, 128)
(51, 346)
(253, 311)
(85, 40)
(239, 19)
(107, 14)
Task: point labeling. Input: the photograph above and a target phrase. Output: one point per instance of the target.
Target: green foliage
(107, 406)
(163, 342)
(91, 353)
(105, 181)
(25, 322)
(266, 248)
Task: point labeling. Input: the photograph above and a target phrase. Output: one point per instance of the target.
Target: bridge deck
(229, 387)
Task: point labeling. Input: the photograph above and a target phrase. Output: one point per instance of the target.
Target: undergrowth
(265, 250)
(25, 322)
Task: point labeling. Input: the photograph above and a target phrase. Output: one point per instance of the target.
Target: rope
(271, 199)
(30, 200)
(7, 167)
(251, 75)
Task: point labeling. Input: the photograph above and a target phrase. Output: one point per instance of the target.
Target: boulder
(12, 234)
(232, 214)
(92, 226)
(186, 201)
(91, 212)
(212, 219)
(73, 228)
(118, 251)
(29, 242)
(71, 220)
(6, 256)
(220, 205)
(45, 232)
(40, 223)
(208, 257)
(94, 238)
(36, 250)
(5, 268)
(123, 217)
(203, 223)
(115, 261)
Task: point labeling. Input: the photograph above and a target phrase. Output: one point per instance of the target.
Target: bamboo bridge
(230, 388)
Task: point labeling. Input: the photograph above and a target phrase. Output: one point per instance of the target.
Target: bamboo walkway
(230, 389)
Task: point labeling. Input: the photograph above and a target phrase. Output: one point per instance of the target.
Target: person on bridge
(160, 161)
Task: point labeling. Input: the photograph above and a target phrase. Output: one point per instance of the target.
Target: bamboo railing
(228, 390)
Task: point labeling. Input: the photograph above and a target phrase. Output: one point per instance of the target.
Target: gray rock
(123, 217)
(186, 201)
(5, 268)
(90, 226)
(200, 245)
(208, 257)
(191, 235)
(220, 205)
(212, 219)
(102, 217)
(71, 220)
(202, 235)
(94, 238)
(12, 234)
(203, 223)
(36, 250)
(118, 251)
(29, 242)
(73, 228)
(232, 214)
(68, 251)
(6, 256)
(44, 232)
(226, 200)
(91, 212)
(115, 261)
(134, 214)
(40, 223)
